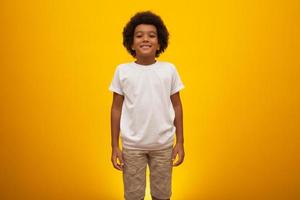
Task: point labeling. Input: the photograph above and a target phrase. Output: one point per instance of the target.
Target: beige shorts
(134, 173)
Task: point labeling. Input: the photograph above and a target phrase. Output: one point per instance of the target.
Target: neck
(145, 61)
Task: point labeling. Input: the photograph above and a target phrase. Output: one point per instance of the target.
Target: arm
(116, 111)
(178, 122)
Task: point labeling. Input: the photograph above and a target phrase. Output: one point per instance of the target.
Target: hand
(115, 157)
(178, 149)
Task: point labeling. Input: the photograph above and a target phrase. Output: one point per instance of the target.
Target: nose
(145, 38)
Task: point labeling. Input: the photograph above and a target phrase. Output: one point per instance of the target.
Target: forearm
(115, 126)
(178, 122)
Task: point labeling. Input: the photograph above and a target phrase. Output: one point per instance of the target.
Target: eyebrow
(145, 31)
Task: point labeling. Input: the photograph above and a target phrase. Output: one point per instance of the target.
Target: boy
(147, 110)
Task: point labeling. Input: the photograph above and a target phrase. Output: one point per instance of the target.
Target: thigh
(160, 164)
(134, 174)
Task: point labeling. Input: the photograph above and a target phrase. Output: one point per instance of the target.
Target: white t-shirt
(147, 119)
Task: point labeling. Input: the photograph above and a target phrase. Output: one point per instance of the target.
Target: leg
(153, 198)
(160, 165)
(134, 174)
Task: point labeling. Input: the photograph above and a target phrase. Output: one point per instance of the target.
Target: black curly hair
(146, 17)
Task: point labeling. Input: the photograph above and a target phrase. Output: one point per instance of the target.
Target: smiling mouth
(145, 46)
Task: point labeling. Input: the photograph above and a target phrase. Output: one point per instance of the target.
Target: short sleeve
(115, 85)
(177, 84)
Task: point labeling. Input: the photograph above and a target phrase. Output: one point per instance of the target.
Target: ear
(158, 46)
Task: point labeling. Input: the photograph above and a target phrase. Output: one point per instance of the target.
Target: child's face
(145, 41)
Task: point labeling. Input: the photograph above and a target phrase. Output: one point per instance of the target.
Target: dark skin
(145, 44)
(116, 110)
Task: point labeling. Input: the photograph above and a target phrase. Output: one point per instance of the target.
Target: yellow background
(239, 61)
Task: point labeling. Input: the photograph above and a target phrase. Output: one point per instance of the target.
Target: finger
(121, 165)
(179, 161)
(121, 159)
(174, 153)
(115, 164)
